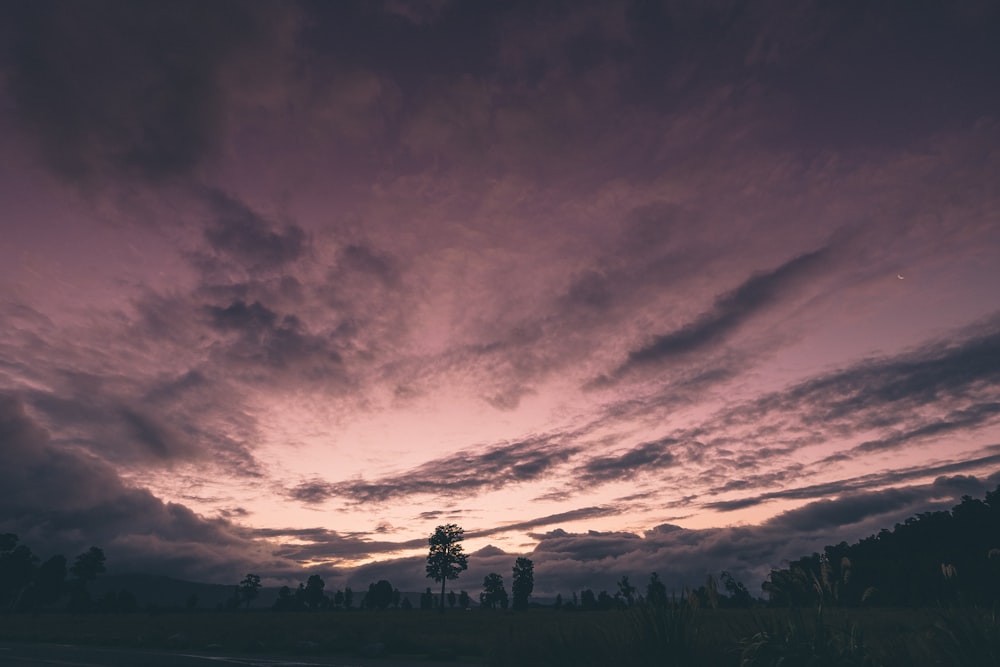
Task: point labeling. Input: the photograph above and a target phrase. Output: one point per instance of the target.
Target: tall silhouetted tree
(249, 588)
(523, 582)
(446, 560)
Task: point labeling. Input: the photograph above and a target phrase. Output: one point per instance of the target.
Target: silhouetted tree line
(494, 595)
(28, 584)
(935, 558)
(732, 594)
(381, 595)
(312, 596)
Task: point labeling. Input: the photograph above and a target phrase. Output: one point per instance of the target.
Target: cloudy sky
(622, 287)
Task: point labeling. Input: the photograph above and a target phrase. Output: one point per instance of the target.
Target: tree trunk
(443, 582)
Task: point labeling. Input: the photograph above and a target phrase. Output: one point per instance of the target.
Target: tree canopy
(446, 559)
(523, 582)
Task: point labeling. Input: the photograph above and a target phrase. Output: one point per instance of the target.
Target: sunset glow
(623, 287)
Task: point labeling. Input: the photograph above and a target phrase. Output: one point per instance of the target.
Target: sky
(621, 287)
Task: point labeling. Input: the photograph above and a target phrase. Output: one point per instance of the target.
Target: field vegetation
(926, 592)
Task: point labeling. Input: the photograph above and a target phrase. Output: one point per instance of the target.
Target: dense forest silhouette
(942, 558)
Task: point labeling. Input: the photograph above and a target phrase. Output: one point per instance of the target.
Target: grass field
(887, 637)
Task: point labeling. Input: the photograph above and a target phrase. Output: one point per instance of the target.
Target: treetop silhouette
(446, 559)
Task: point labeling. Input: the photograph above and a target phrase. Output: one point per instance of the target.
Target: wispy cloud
(464, 473)
(859, 483)
(729, 311)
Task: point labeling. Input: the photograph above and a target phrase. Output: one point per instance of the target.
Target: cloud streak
(729, 311)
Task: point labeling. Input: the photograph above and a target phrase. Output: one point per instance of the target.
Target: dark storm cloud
(854, 507)
(173, 388)
(315, 491)
(130, 87)
(729, 311)
(262, 339)
(562, 517)
(934, 372)
(105, 415)
(963, 419)
(958, 379)
(881, 74)
(242, 317)
(907, 399)
(323, 544)
(682, 557)
(420, 50)
(459, 474)
(120, 428)
(567, 561)
(361, 258)
(593, 545)
(648, 456)
(60, 499)
(837, 75)
(157, 437)
(240, 233)
(859, 483)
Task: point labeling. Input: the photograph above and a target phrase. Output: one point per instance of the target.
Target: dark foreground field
(639, 636)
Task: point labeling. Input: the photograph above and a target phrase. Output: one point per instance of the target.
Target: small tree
(445, 559)
(50, 581)
(379, 595)
(523, 582)
(88, 565)
(656, 592)
(627, 591)
(312, 595)
(494, 594)
(249, 588)
(85, 569)
(739, 596)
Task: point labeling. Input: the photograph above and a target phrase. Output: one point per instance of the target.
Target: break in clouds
(626, 287)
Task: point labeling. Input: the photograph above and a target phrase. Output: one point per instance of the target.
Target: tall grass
(637, 637)
(675, 636)
(804, 638)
